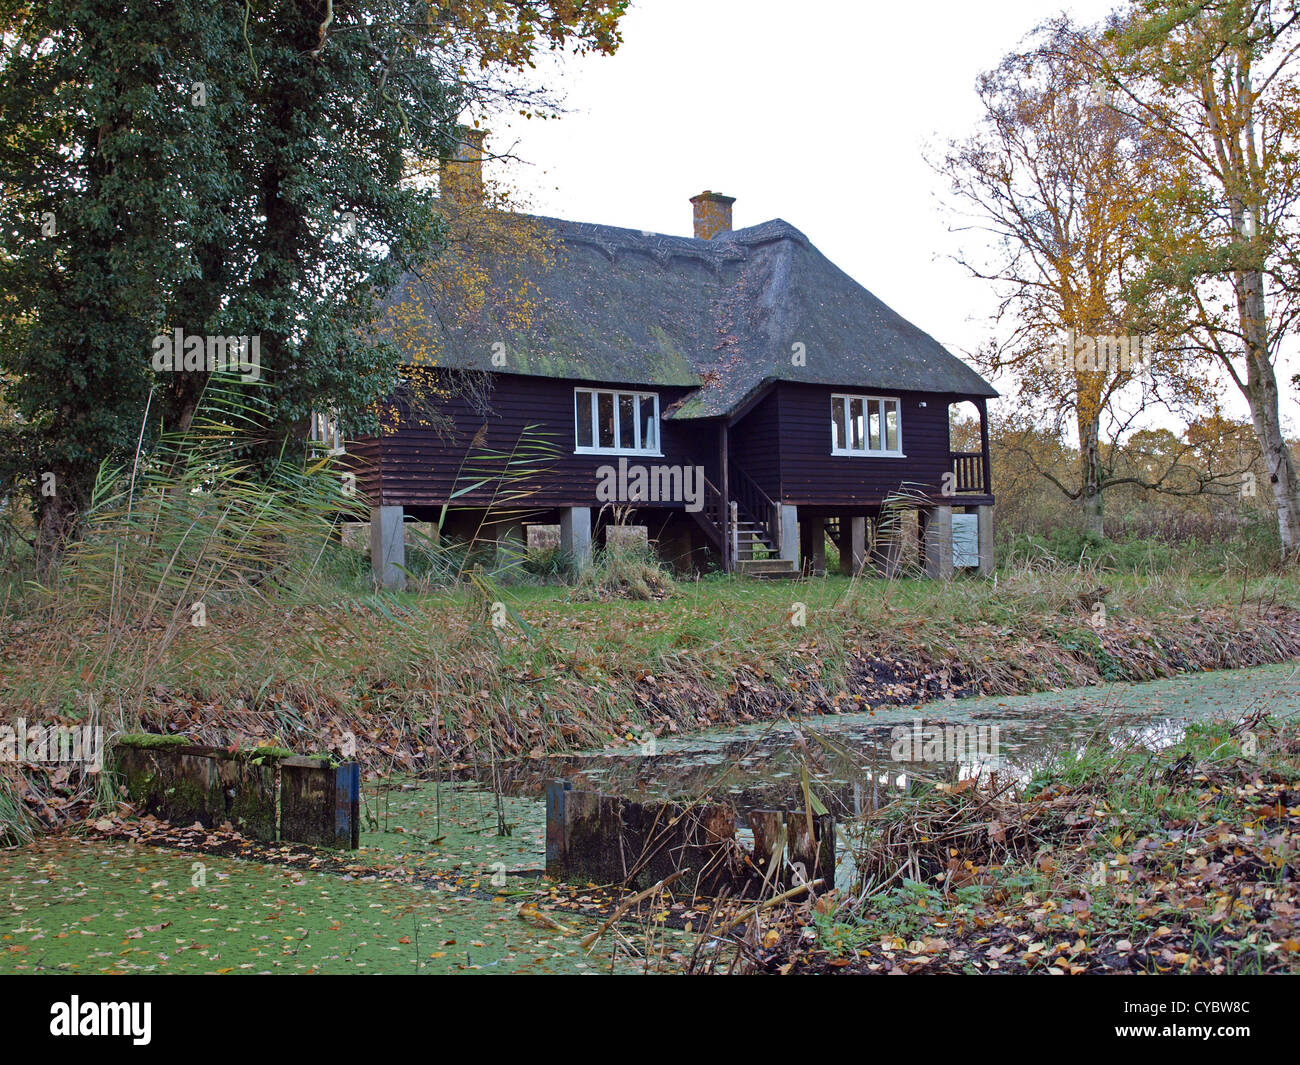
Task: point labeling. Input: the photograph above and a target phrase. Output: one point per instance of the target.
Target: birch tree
(1215, 80)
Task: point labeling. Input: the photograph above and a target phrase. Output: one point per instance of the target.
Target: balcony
(970, 473)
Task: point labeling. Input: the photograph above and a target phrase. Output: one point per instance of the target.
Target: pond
(448, 870)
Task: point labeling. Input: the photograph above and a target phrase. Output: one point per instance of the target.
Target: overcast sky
(821, 113)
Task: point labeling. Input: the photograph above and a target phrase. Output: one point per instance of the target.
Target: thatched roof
(726, 315)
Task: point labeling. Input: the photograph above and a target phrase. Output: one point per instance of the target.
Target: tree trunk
(1090, 498)
(56, 526)
(1260, 390)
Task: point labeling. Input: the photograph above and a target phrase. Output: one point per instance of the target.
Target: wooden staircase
(754, 527)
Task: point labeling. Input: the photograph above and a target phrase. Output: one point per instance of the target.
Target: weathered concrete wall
(319, 803)
(611, 840)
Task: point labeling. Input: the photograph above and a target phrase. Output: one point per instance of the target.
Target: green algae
(113, 906)
(117, 907)
(451, 828)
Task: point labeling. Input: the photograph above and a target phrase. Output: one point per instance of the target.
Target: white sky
(820, 113)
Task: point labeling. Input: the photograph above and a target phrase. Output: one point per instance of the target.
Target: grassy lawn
(353, 649)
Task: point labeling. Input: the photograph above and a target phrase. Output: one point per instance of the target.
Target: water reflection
(852, 763)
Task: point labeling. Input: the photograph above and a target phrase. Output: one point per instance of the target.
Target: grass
(563, 670)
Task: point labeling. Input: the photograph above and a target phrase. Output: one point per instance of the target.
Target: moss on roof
(627, 307)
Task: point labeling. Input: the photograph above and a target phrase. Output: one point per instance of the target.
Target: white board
(965, 541)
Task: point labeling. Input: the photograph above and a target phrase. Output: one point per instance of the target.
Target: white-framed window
(866, 425)
(610, 422)
(326, 433)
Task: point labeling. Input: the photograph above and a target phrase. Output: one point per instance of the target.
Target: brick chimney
(461, 173)
(712, 214)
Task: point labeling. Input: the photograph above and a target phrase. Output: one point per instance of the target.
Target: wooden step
(766, 567)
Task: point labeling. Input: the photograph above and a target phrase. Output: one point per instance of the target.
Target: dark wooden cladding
(363, 459)
(811, 475)
(783, 443)
(756, 443)
(424, 466)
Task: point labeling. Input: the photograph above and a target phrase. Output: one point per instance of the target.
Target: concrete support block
(575, 534)
(853, 545)
(356, 535)
(938, 542)
(789, 532)
(985, 515)
(636, 537)
(423, 535)
(387, 547)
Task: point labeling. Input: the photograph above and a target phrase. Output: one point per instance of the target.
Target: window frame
(325, 432)
(871, 404)
(616, 395)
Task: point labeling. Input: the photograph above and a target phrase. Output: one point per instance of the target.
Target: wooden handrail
(968, 471)
(713, 511)
(756, 503)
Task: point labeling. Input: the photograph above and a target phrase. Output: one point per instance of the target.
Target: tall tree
(1057, 177)
(226, 170)
(1216, 81)
(98, 166)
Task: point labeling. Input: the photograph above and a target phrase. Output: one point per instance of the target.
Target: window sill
(613, 453)
(867, 454)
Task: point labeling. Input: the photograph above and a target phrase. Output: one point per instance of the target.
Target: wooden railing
(968, 470)
(712, 513)
(755, 504)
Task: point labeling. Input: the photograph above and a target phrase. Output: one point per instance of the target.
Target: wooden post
(985, 460)
(815, 851)
(769, 843)
(812, 544)
(781, 836)
(557, 840)
(725, 478)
